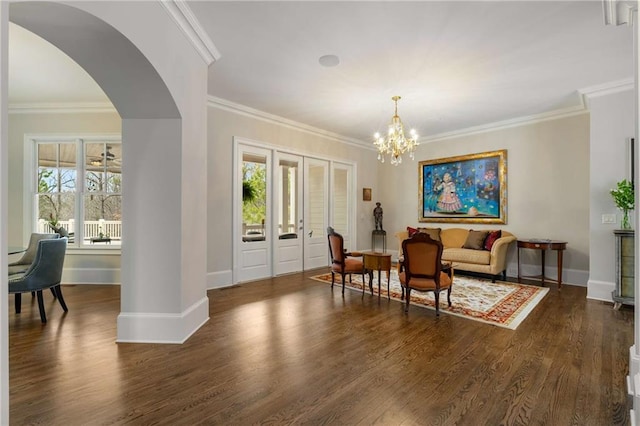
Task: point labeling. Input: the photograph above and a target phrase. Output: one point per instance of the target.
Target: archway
(163, 299)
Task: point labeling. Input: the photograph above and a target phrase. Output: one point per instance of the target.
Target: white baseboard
(136, 327)
(600, 290)
(91, 276)
(219, 279)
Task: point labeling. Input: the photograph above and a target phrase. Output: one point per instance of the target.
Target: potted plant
(624, 198)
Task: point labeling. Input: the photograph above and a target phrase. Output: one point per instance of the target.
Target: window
(83, 197)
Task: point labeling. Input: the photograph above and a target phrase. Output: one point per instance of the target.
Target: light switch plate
(608, 218)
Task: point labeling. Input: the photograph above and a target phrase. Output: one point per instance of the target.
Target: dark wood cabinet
(625, 269)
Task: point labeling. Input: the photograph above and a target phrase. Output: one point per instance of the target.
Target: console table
(543, 246)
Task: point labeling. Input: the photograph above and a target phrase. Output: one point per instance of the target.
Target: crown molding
(285, 122)
(506, 124)
(62, 108)
(184, 17)
(618, 12)
(605, 89)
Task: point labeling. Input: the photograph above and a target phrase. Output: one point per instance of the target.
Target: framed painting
(366, 194)
(468, 188)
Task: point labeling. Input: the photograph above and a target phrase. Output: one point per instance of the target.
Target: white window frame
(30, 183)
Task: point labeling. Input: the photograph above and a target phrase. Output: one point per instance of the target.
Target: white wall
(612, 122)
(547, 183)
(223, 125)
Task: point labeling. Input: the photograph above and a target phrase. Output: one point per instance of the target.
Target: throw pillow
(433, 233)
(491, 238)
(475, 240)
(411, 231)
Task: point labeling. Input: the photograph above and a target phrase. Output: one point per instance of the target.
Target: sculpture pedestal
(377, 235)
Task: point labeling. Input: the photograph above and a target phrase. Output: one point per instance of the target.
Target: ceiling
(456, 64)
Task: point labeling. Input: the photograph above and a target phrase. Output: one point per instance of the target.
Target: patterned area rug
(501, 303)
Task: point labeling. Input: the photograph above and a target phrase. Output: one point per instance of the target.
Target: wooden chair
(423, 269)
(45, 272)
(341, 262)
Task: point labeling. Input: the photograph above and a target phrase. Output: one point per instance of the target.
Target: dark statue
(377, 215)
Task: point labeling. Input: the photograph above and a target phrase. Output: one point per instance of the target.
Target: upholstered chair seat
(427, 284)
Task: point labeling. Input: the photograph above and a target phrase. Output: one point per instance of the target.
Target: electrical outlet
(609, 218)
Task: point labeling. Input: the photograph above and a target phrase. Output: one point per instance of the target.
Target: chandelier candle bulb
(396, 144)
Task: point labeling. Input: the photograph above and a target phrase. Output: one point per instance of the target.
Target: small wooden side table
(543, 246)
(377, 261)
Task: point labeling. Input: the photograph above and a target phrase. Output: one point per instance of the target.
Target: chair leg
(333, 279)
(344, 281)
(437, 296)
(449, 296)
(57, 291)
(43, 316)
(18, 302)
(406, 306)
(53, 292)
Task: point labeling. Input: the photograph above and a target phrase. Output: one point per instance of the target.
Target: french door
(252, 224)
(283, 204)
(342, 193)
(316, 213)
(288, 193)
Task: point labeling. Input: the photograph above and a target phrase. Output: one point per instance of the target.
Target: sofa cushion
(478, 257)
(491, 238)
(475, 240)
(453, 237)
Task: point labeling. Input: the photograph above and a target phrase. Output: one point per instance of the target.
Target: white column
(4, 199)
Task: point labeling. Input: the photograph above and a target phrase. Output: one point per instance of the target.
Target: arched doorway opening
(163, 269)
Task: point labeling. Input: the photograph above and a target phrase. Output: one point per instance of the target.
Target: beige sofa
(492, 262)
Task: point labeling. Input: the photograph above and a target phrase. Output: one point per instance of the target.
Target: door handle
(310, 233)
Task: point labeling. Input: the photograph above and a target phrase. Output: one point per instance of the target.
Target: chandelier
(396, 144)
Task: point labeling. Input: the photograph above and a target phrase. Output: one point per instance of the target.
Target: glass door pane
(289, 203)
(254, 197)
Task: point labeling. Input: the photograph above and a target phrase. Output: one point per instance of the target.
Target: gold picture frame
(366, 194)
(464, 189)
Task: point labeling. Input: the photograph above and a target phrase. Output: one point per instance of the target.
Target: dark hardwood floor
(291, 351)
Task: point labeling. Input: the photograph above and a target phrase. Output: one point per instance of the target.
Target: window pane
(58, 206)
(288, 206)
(254, 197)
(103, 161)
(108, 207)
(340, 201)
(67, 179)
(317, 200)
(102, 218)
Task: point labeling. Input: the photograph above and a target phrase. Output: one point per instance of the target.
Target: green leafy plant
(248, 191)
(624, 198)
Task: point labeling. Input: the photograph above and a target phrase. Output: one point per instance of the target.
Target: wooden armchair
(422, 266)
(341, 262)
